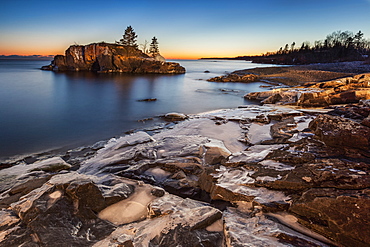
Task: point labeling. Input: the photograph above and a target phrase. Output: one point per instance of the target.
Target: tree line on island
(339, 46)
(130, 39)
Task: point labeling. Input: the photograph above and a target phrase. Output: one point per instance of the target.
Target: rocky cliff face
(107, 58)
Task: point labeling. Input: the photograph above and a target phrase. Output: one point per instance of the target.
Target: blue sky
(185, 29)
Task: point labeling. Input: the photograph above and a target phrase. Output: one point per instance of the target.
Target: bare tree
(144, 47)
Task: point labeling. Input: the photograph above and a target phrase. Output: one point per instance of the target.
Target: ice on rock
(16, 174)
(174, 212)
(238, 181)
(292, 222)
(259, 231)
(158, 173)
(255, 153)
(238, 114)
(131, 209)
(233, 177)
(268, 178)
(271, 164)
(259, 132)
(115, 151)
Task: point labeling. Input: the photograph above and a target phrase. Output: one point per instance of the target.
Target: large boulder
(106, 58)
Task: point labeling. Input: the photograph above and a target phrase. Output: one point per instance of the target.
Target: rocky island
(112, 58)
(257, 175)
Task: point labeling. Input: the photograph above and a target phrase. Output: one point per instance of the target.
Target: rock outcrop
(235, 77)
(107, 58)
(342, 91)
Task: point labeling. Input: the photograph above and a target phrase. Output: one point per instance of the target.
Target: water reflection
(42, 109)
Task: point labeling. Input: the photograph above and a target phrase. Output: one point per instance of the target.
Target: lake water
(43, 110)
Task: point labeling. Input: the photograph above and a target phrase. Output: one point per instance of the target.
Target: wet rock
(324, 173)
(288, 156)
(253, 154)
(8, 223)
(214, 152)
(281, 131)
(148, 100)
(174, 116)
(15, 193)
(63, 212)
(117, 150)
(21, 173)
(354, 112)
(340, 132)
(342, 91)
(271, 185)
(51, 165)
(339, 215)
(234, 77)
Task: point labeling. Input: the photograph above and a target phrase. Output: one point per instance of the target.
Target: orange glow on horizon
(31, 53)
(169, 55)
(196, 57)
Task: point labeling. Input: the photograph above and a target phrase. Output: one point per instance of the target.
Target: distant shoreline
(28, 59)
(292, 75)
(31, 57)
(244, 58)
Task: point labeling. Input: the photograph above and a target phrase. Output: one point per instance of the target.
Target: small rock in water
(174, 116)
(147, 100)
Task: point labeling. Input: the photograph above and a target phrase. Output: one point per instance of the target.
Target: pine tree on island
(154, 50)
(129, 38)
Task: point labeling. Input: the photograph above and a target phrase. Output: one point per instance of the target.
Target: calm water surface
(43, 110)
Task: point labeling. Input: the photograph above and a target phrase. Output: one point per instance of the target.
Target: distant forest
(339, 46)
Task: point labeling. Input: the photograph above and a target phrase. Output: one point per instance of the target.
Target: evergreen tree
(358, 39)
(154, 50)
(292, 47)
(129, 38)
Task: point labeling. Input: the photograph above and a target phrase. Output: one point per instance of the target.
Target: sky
(185, 29)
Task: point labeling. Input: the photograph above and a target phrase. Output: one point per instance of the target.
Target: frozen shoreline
(261, 175)
(275, 161)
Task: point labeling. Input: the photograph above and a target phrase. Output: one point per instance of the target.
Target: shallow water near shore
(43, 110)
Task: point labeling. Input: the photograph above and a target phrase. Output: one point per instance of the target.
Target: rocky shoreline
(298, 74)
(270, 175)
